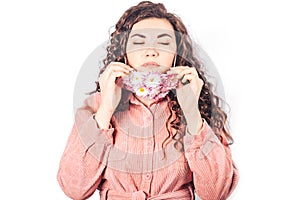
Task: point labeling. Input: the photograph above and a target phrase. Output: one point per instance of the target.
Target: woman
(139, 142)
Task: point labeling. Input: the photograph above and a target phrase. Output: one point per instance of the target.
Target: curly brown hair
(209, 104)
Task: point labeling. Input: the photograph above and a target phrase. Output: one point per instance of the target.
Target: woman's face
(151, 45)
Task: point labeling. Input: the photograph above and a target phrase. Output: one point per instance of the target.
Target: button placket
(148, 118)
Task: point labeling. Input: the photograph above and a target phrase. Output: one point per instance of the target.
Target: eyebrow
(143, 36)
(138, 35)
(163, 35)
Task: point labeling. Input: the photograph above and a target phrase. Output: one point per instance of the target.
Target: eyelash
(164, 43)
(140, 43)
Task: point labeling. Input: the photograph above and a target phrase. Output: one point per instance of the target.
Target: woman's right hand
(110, 91)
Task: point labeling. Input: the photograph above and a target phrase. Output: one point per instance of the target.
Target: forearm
(194, 120)
(210, 161)
(86, 153)
(103, 117)
(213, 174)
(79, 171)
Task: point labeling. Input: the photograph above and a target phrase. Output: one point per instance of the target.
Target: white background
(254, 45)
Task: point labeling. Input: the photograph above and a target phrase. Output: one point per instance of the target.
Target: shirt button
(148, 176)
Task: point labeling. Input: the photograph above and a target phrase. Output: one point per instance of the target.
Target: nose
(151, 52)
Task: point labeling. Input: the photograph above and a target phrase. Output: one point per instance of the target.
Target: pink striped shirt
(127, 160)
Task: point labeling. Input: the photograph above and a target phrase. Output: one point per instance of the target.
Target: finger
(112, 77)
(117, 74)
(187, 71)
(122, 65)
(112, 74)
(117, 68)
(180, 67)
(172, 72)
(187, 77)
(182, 74)
(176, 70)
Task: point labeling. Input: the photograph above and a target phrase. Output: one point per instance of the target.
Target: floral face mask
(151, 85)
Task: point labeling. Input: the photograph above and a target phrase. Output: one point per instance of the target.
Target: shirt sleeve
(214, 173)
(85, 156)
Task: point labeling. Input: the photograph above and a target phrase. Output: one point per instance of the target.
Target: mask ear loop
(174, 62)
(125, 60)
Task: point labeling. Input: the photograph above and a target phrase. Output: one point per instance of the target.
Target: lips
(150, 64)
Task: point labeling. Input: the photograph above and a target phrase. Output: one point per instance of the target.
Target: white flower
(153, 80)
(136, 78)
(141, 91)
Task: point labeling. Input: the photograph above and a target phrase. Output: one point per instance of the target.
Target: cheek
(167, 58)
(133, 58)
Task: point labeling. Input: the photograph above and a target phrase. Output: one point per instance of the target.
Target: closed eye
(164, 43)
(138, 43)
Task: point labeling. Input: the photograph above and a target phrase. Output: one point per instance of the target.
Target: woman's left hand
(189, 87)
(188, 93)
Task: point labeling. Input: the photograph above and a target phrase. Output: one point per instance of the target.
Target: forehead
(153, 25)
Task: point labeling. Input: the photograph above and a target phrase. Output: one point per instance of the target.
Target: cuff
(94, 139)
(108, 132)
(204, 141)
